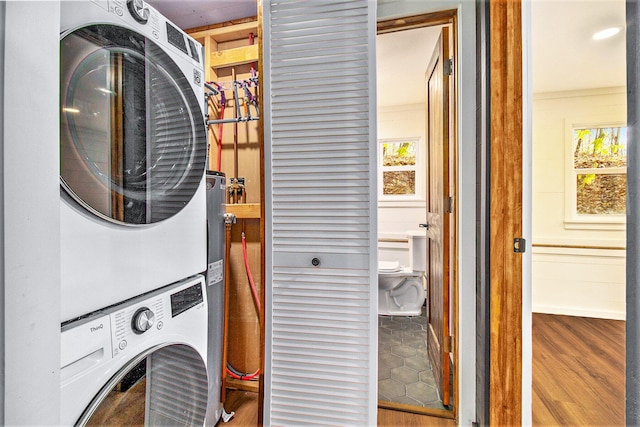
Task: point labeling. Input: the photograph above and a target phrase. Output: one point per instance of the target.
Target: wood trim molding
(608, 248)
(412, 409)
(385, 240)
(263, 247)
(416, 21)
(220, 26)
(505, 91)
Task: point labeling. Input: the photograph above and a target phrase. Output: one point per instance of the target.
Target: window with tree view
(600, 167)
(398, 166)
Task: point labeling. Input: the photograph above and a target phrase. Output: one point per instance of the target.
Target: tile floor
(404, 371)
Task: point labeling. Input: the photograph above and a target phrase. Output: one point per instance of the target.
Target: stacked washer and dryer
(135, 308)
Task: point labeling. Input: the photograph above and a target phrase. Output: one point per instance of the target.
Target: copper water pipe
(235, 131)
(229, 219)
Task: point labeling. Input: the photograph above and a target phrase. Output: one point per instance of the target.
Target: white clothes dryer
(133, 153)
(141, 362)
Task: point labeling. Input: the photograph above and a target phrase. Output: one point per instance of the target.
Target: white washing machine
(133, 153)
(141, 362)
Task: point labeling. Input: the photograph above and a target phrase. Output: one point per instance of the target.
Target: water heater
(215, 290)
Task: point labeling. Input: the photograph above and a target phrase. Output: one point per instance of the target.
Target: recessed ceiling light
(606, 33)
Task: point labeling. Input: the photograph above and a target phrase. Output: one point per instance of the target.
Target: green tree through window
(599, 163)
(398, 165)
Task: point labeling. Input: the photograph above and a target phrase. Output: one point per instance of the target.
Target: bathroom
(405, 374)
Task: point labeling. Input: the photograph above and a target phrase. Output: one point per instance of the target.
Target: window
(597, 182)
(398, 166)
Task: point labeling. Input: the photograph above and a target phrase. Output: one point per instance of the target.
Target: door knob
(424, 226)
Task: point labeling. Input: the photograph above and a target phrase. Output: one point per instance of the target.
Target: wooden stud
(234, 384)
(231, 32)
(244, 210)
(262, 221)
(232, 57)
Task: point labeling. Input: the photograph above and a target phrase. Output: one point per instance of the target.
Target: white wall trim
(605, 224)
(391, 204)
(577, 251)
(399, 107)
(579, 93)
(572, 220)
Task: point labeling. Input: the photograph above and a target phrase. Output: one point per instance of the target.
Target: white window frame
(572, 220)
(398, 199)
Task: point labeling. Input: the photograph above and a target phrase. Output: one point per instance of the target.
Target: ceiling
(402, 59)
(564, 57)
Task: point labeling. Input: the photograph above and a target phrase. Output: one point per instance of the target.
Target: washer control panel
(129, 324)
(148, 315)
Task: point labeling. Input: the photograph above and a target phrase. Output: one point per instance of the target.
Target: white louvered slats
(321, 343)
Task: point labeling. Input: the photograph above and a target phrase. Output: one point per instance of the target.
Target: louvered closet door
(321, 318)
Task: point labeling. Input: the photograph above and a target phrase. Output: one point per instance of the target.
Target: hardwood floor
(245, 406)
(389, 418)
(578, 380)
(578, 371)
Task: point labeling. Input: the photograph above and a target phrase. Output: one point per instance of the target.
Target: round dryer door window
(132, 132)
(168, 387)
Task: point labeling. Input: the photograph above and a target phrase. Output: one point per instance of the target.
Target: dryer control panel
(146, 15)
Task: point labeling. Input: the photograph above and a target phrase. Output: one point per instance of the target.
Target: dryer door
(132, 132)
(168, 387)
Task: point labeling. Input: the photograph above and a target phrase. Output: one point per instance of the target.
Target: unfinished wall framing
(232, 54)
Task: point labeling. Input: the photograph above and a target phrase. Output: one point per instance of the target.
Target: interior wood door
(438, 216)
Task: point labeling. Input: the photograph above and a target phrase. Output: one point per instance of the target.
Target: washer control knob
(142, 320)
(139, 10)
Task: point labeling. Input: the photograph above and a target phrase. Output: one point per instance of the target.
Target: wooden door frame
(446, 17)
(505, 221)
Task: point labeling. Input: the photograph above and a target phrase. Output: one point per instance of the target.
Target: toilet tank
(417, 249)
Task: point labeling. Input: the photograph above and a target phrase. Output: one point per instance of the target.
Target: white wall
(466, 262)
(569, 275)
(396, 218)
(29, 213)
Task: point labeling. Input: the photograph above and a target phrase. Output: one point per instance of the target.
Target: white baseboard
(581, 312)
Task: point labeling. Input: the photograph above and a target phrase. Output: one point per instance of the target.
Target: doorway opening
(579, 151)
(417, 169)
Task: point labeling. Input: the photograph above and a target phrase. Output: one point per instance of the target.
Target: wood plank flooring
(578, 371)
(578, 378)
(245, 406)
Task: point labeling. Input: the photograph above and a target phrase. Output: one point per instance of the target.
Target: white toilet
(400, 289)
